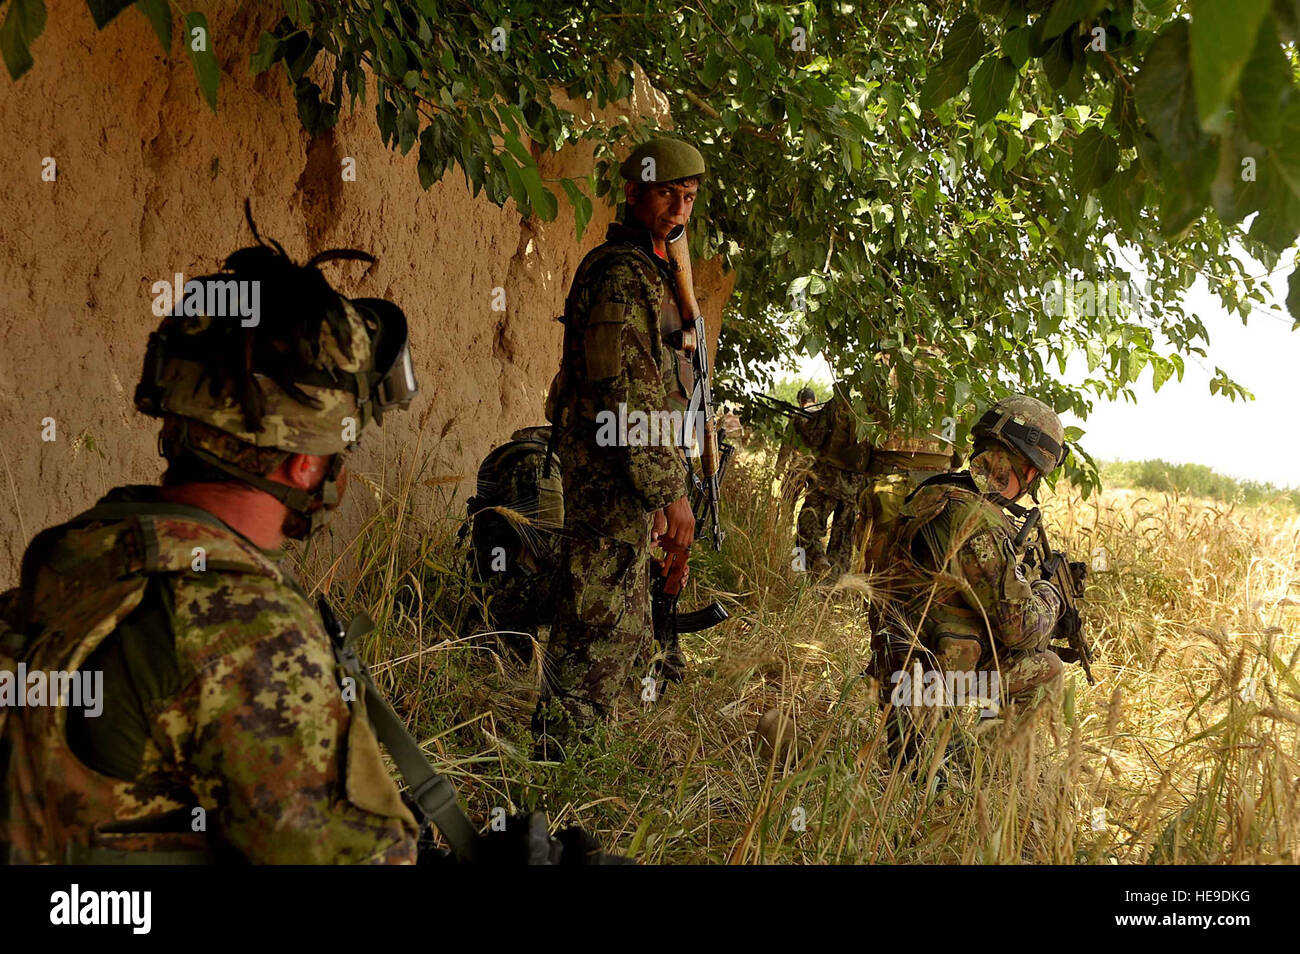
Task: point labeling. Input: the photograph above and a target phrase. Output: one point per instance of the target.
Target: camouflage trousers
(832, 495)
(602, 635)
(1025, 679)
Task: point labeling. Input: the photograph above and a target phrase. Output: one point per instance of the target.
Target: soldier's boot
(555, 732)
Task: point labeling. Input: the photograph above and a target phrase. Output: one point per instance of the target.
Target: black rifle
(669, 623)
(1069, 578)
(785, 408)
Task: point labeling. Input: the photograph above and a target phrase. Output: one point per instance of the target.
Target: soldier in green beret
(624, 492)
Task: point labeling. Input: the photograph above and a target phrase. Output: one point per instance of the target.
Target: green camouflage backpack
(515, 518)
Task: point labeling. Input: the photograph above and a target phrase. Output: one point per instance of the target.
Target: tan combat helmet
(305, 376)
(662, 160)
(1025, 425)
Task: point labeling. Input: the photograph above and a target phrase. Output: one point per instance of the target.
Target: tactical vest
(676, 371)
(913, 586)
(80, 581)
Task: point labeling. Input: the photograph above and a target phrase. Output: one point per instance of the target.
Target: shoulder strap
(433, 793)
(961, 479)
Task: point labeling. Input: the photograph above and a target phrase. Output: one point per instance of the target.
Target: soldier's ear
(304, 471)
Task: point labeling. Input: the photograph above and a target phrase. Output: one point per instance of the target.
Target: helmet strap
(309, 509)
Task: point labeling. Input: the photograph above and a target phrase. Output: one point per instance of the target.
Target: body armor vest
(675, 367)
(80, 581)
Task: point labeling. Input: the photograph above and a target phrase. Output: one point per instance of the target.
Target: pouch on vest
(601, 342)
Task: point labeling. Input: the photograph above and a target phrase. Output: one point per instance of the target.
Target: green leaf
(1058, 63)
(962, 48)
(516, 182)
(1064, 14)
(581, 205)
(268, 51)
(991, 87)
(204, 61)
(1015, 148)
(1165, 97)
(103, 11)
(540, 198)
(1160, 371)
(159, 16)
(1233, 196)
(1185, 188)
(1095, 159)
(23, 23)
(1293, 298)
(1222, 40)
(1015, 44)
(714, 67)
(1288, 152)
(1266, 84)
(1278, 222)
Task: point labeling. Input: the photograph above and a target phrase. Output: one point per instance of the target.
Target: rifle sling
(433, 793)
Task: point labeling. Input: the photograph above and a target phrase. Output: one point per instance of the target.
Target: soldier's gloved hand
(1048, 592)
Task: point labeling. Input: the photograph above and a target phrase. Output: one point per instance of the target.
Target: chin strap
(311, 508)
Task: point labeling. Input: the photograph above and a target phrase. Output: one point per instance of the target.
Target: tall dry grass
(1186, 751)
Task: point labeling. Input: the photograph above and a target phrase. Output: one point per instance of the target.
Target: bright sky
(1183, 422)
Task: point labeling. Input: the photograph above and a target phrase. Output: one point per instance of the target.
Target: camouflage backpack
(514, 518)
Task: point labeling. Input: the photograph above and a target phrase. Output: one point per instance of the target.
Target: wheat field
(1186, 751)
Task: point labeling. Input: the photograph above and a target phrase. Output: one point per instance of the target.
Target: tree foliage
(889, 179)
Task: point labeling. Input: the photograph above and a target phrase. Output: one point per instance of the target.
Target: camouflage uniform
(619, 311)
(959, 585)
(221, 692)
(954, 591)
(836, 481)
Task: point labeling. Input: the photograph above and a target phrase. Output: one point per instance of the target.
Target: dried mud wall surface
(150, 182)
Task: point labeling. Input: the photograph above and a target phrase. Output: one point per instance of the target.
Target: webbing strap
(433, 793)
(124, 510)
(1032, 436)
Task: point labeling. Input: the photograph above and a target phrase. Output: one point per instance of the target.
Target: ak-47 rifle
(785, 408)
(1069, 578)
(705, 480)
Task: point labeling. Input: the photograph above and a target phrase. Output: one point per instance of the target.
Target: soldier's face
(661, 206)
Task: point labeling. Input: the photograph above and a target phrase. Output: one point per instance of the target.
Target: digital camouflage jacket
(615, 360)
(954, 572)
(225, 732)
